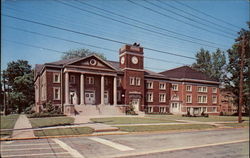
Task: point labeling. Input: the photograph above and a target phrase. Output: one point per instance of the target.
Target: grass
(243, 124)
(7, 122)
(63, 131)
(202, 119)
(163, 127)
(50, 121)
(128, 120)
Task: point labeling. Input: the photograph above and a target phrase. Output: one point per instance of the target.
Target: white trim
(133, 69)
(190, 95)
(164, 87)
(59, 93)
(148, 83)
(152, 97)
(58, 74)
(177, 87)
(164, 100)
(191, 87)
(130, 53)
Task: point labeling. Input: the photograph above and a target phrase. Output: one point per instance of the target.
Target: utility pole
(4, 95)
(243, 44)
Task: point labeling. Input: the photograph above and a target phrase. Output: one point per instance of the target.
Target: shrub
(130, 110)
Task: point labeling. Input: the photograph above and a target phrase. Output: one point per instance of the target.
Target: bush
(39, 115)
(29, 110)
(130, 110)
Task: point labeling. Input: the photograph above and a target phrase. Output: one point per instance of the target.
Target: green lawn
(202, 119)
(7, 122)
(129, 120)
(51, 121)
(163, 127)
(63, 131)
(243, 124)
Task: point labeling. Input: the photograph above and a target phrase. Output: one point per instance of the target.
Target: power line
(141, 22)
(133, 25)
(53, 50)
(208, 21)
(91, 35)
(81, 43)
(158, 6)
(155, 11)
(218, 19)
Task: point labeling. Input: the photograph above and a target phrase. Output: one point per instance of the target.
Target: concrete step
(88, 110)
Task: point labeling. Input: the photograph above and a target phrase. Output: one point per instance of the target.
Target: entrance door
(73, 98)
(136, 104)
(90, 98)
(175, 107)
(106, 97)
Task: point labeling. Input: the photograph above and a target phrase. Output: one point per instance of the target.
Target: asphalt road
(207, 144)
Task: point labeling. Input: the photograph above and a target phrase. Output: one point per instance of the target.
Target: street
(213, 143)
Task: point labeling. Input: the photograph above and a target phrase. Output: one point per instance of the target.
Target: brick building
(74, 84)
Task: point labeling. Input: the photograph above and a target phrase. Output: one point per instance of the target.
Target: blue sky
(235, 12)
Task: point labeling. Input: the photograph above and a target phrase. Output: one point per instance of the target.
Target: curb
(121, 133)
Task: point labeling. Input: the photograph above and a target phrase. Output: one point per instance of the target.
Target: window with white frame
(214, 90)
(150, 109)
(56, 77)
(213, 109)
(202, 99)
(204, 109)
(56, 92)
(162, 85)
(72, 79)
(137, 81)
(188, 88)
(131, 81)
(202, 89)
(162, 97)
(162, 109)
(149, 97)
(175, 87)
(214, 99)
(149, 84)
(189, 99)
(90, 80)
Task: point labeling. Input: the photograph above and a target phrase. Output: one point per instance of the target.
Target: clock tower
(131, 63)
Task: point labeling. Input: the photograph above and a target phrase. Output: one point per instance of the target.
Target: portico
(93, 90)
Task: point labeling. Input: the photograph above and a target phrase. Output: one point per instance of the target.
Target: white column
(66, 88)
(82, 89)
(102, 90)
(115, 91)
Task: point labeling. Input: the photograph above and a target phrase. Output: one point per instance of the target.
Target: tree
(19, 78)
(212, 64)
(79, 53)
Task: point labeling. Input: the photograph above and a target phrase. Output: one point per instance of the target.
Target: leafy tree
(232, 79)
(212, 64)
(19, 77)
(79, 53)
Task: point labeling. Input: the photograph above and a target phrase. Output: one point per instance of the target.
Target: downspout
(62, 90)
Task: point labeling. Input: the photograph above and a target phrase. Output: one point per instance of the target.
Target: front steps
(95, 110)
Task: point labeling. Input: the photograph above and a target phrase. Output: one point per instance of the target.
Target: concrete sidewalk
(22, 128)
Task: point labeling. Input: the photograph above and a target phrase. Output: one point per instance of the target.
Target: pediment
(92, 61)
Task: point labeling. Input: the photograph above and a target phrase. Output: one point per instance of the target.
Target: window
(204, 109)
(188, 88)
(56, 92)
(119, 82)
(106, 81)
(202, 89)
(119, 96)
(214, 99)
(162, 97)
(162, 109)
(131, 80)
(138, 81)
(72, 79)
(213, 109)
(189, 99)
(90, 80)
(150, 109)
(149, 84)
(162, 85)
(214, 90)
(56, 77)
(175, 87)
(202, 99)
(174, 105)
(149, 97)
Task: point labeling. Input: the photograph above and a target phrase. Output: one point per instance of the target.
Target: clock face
(134, 60)
(122, 60)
